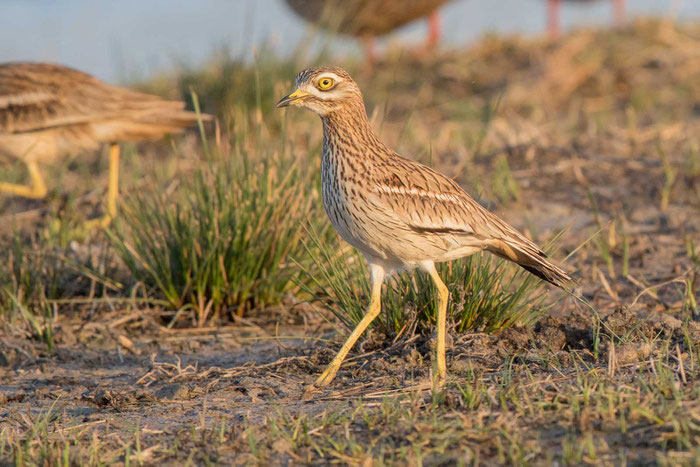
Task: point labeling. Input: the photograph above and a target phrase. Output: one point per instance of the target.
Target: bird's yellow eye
(324, 84)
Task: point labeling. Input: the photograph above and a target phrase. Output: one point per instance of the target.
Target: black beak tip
(284, 102)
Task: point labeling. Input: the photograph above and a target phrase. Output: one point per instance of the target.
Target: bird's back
(64, 110)
(363, 17)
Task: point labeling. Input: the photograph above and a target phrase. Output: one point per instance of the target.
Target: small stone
(128, 344)
(460, 366)
(172, 392)
(516, 338)
(4, 361)
(632, 352)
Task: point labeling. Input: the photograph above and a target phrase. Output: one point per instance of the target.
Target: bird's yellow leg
(443, 297)
(112, 190)
(375, 306)
(36, 190)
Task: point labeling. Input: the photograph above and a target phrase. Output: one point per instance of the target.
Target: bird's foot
(439, 373)
(98, 223)
(327, 376)
(442, 371)
(28, 191)
(438, 381)
(308, 392)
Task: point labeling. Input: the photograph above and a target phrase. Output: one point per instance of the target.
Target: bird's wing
(36, 96)
(428, 202)
(432, 204)
(425, 200)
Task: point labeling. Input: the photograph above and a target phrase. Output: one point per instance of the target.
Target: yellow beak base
(289, 98)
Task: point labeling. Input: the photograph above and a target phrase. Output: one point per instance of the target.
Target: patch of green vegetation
(504, 183)
(241, 95)
(486, 293)
(39, 270)
(226, 238)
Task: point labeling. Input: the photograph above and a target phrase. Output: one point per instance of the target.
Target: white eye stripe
(312, 85)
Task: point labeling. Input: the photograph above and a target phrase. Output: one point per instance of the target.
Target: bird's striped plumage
(399, 213)
(48, 111)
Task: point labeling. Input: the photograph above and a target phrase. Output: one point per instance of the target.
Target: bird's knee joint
(40, 191)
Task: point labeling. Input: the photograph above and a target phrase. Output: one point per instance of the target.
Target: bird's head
(324, 90)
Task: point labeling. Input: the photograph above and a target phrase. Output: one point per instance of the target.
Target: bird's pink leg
(553, 17)
(619, 11)
(434, 30)
(370, 53)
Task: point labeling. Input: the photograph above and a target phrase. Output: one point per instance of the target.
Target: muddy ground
(176, 390)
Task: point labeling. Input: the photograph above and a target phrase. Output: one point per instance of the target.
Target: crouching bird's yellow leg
(375, 305)
(443, 297)
(112, 190)
(36, 190)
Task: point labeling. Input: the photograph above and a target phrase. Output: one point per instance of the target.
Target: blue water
(120, 40)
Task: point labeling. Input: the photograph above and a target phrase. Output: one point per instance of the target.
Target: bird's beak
(289, 98)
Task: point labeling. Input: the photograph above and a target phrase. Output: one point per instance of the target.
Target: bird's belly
(43, 147)
(380, 236)
(349, 221)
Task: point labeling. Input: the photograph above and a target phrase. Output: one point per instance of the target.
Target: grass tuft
(225, 239)
(487, 294)
(40, 270)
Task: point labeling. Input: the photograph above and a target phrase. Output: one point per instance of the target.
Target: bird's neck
(349, 130)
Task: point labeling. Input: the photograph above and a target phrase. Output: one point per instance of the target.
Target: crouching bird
(367, 19)
(400, 214)
(49, 111)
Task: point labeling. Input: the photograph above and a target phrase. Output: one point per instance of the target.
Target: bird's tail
(531, 258)
(162, 117)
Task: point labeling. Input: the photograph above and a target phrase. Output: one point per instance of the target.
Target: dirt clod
(178, 392)
(632, 352)
(549, 333)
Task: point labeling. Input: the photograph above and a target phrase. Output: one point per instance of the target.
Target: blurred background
(130, 39)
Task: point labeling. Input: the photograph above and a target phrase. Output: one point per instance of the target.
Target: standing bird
(368, 19)
(554, 13)
(400, 214)
(49, 111)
